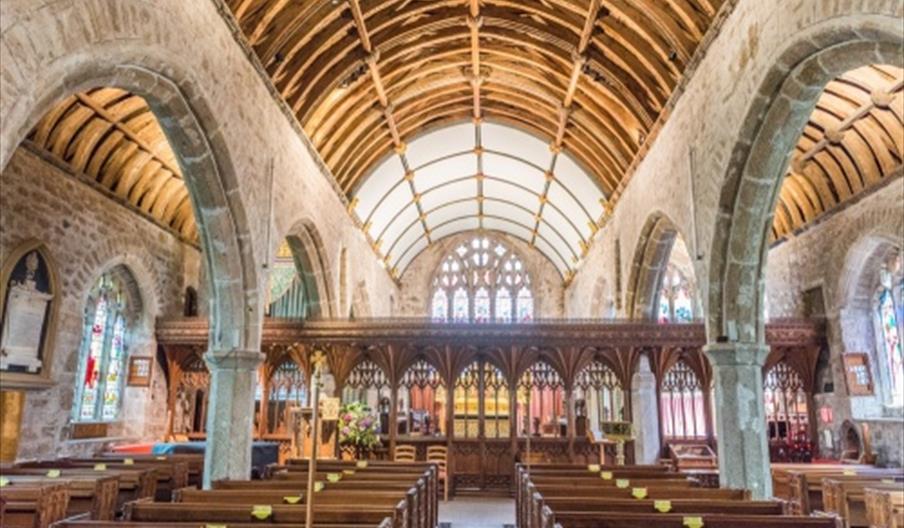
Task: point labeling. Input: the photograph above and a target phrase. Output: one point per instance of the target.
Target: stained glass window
(889, 313)
(675, 300)
(486, 281)
(99, 387)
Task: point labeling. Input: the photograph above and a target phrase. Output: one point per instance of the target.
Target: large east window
(104, 349)
(889, 320)
(481, 281)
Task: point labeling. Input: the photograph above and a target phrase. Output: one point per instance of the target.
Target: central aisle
(476, 512)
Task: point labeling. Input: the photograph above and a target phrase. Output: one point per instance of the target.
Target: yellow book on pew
(261, 511)
(662, 506)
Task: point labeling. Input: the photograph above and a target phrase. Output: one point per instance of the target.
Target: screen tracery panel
(484, 377)
(599, 392)
(787, 412)
(422, 395)
(681, 404)
(547, 402)
(287, 388)
(367, 383)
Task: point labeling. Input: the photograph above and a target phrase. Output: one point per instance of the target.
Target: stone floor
(477, 512)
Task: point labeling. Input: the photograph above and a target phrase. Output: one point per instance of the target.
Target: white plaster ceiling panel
(402, 261)
(567, 204)
(451, 192)
(505, 226)
(556, 241)
(510, 211)
(446, 193)
(564, 226)
(406, 239)
(493, 188)
(511, 169)
(573, 178)
(456, 226)
(444, 170)
(440, 143)
(398, 225)
(502, 138)
(396, 200)
(451, 211)
(378, 184)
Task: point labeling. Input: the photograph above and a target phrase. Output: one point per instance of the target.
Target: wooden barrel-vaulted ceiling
(364, 76)
(853, 142)
(112, 136)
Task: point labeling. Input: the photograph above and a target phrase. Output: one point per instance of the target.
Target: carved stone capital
(736, 354)
(233, 359)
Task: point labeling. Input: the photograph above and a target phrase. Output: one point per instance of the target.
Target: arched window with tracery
(599, 396)
(681, 403)
(889, 321)
(547, 402)
(422, 395)
(787, 414)
(112, 308)
(482, 280)
(367, 383)
(675, 301)
(481, 377)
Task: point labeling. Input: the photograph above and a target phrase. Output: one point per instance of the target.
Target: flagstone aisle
(476, 512)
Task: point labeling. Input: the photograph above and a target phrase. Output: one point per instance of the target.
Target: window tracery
(486, 281)
(787, 414)
(601, 392)
(422, 394)
(546, 404)
(287, 389)
(481, 377)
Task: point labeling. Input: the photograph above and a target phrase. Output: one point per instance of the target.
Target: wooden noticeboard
(139, 374)
(857, 374)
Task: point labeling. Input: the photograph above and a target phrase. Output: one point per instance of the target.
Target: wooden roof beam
(474, 23)
(372, 60)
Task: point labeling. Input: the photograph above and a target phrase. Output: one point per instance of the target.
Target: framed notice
(139, 371)
(329, 409)
(857, 374)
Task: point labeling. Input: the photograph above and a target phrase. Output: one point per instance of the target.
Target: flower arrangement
(358, 428)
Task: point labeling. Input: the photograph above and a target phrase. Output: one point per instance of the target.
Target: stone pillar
(741, 416)
(645, 414)
(230, 414)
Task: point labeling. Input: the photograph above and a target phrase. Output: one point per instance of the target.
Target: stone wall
(837, 256)
(86, 233)
(416, 280)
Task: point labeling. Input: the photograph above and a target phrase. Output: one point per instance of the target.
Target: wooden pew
(133, 483)
(677, 520)
(146, 511)
(885, 508)
(195, 462)
(846, 496)
(170, 475)
(37, 506)
(80, 522)
(801, 485)
(92, 494)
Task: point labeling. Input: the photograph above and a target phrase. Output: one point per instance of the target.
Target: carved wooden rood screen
(456, 385)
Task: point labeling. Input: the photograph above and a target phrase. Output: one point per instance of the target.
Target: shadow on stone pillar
(645, 413)
(741, 416)
(230, 415)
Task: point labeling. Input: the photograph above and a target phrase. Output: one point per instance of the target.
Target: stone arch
(856, 282)
(142, 285)
(95, 60)
(651, 256)
(774, 121)
(310, 258)
(344, 304)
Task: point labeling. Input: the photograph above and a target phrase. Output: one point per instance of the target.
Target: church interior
(452, 263)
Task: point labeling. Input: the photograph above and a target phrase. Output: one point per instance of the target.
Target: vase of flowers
(358, 429)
